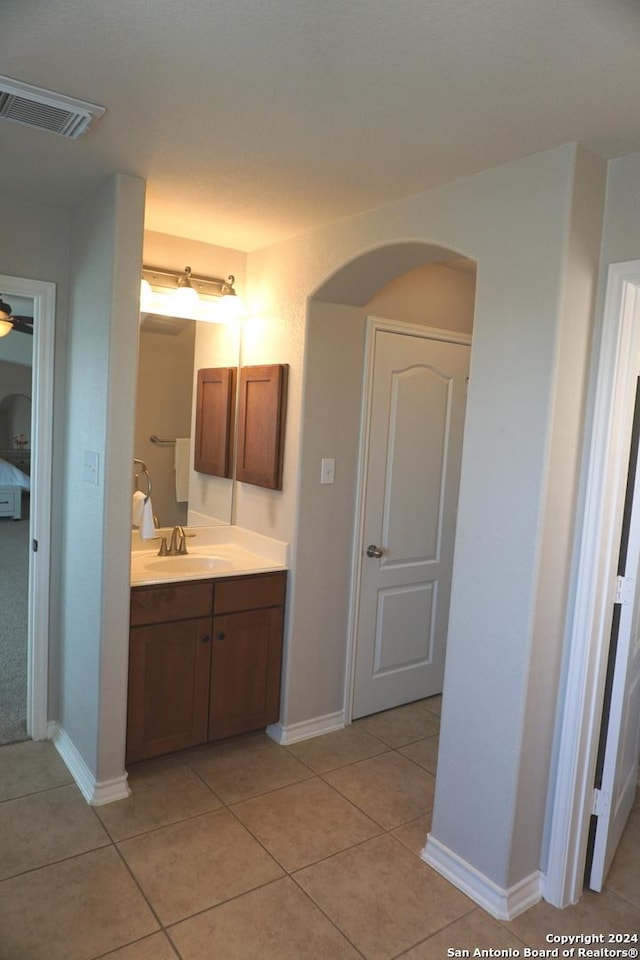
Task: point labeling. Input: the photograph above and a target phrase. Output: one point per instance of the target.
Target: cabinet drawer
(10, 502)
(250, 593)
(175, 602)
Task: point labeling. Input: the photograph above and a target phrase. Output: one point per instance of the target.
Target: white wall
(105, 266)
(621, 235)
(514, 221)
(434, 295)
(17, 348)
(564, 464)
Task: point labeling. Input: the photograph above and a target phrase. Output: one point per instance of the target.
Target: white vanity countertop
(213, 552)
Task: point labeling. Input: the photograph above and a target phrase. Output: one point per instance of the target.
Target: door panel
(412, 471)
(412, 519)
(396, 645)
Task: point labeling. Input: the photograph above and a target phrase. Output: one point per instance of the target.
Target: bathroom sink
(203, 561)
(186, 564)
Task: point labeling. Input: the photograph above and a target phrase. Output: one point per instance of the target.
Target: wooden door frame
(373, 325)
(580, 707)
(43, 294)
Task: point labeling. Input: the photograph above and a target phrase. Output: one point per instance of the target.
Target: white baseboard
(306, 728)
(503, 904)
(95, 792)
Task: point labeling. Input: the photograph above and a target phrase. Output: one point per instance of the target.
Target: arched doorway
(428, 293)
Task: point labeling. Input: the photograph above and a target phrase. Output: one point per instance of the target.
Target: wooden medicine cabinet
(262, 397)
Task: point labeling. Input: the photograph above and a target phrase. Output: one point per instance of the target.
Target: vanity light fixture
(173, 294)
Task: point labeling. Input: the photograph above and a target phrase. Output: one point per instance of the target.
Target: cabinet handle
(205, 639)
(220, 635)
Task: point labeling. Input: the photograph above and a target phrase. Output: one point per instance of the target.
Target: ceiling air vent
(35, 107)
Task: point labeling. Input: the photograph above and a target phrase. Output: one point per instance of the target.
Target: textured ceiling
(253, 120)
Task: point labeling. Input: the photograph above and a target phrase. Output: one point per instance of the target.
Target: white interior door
(620, 737)
(411, 478)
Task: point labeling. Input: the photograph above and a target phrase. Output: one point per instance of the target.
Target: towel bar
(145, 474)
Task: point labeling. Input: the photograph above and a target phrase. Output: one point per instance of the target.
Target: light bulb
(6, 326)
(185, 300)
(231, 307)
(145, 294)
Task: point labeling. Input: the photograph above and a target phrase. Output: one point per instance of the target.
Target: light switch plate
(91, 467)
(328, 470)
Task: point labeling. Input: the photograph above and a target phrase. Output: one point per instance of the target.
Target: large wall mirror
(171, 351)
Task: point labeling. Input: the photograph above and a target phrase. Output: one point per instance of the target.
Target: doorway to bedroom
(26, 453)
(16, 389)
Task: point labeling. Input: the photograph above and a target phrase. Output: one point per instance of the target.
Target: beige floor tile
(402, 725)
(624, 875)
(337, 749)
(246, 767)
(423, 752)
(74, 910)
(162, 792)
(382, 897)
(434, 704)
(414, 835)
(29, 767)
(195, 864)
(45, 827)
(475, 930)
(276, 922)
(305, 822)
(604, 912)
(389, 788)
(156, 947)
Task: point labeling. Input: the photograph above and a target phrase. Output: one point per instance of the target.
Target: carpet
(14, 595)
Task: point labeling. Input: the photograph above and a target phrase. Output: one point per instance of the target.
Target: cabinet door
(169, 666)
(246, 661)
(261, 421)
(215, 413)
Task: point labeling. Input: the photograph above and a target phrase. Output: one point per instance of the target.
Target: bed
(12, 482)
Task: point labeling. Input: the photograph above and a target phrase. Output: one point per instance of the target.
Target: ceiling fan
(9, 322)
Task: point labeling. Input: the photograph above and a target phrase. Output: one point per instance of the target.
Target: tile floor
(246, 850)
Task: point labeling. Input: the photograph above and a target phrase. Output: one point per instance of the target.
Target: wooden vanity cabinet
(169, 663)
(204, 663)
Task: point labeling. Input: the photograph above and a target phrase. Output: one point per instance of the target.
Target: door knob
(373, 551)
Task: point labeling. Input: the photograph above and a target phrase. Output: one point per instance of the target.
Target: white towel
(147, 526)
(182, 462)
(137, 507)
